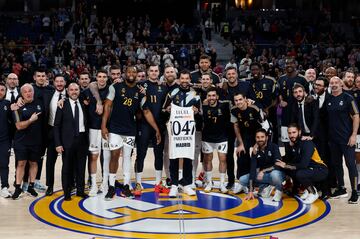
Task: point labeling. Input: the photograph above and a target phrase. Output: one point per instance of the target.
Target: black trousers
(74, 162)
(51, 156)
(243, 161)
(187, 172)
(230, 164)
(337, 151)
(323, 148)
(309, 176)
(146, 134)
(4, 163)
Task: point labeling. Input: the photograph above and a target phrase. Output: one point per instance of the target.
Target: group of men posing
(107, 118)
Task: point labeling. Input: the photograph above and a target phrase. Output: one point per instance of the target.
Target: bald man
(27, 139)
(310, 76)
(343, 115)
(12, 83)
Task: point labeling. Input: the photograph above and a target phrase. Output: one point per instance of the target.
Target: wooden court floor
(156, 216)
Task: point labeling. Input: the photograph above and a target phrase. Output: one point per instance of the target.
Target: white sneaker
(193, 185)
(277, 196)
(24, 187)
(173, 191)
(266, 192)
(311, 198)
(208, 187)
(39, 186)
(238, 188)
(5, 193)
(93, 191)
(104, 188)
(189, 191)
(223, 188)
(304, 195)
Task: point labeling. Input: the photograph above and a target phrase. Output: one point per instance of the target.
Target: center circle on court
(154, 215)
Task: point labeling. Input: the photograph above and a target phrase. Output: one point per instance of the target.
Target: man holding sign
(183, 104)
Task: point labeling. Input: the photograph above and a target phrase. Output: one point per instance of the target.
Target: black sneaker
(229, 185)
(168, 182)
(32, 191)
(110, 194)
(339, 193)
(358, 189)
(354, 198)
(118, 185)
(17, 193)
(126, 193)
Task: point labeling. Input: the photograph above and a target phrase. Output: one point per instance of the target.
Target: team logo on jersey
(341, 103)
(154, 215)
(159, 89)
(5, 107)
(269, 153)
(264, 87)
(38, 107)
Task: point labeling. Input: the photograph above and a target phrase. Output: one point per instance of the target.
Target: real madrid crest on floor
(153, 215)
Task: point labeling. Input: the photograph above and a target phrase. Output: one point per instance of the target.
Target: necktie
(76, 119)
(13, 100)
(301, 118)
(60, 96)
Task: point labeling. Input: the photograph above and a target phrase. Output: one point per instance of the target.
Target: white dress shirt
(8, 93)
(321, 99)
(302, 103)
(81, 115)
(53, 106)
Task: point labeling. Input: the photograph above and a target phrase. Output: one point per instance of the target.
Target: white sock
(208, 175)
(138, 177)
(93, 180)
(180, 174)
(112, 178)
(195, 166)
(358, 169)
(127, 178)
(158, 175)
(222, 178)
(127, 164)
(106, 164)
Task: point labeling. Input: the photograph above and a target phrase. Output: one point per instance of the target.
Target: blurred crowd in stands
(101, 42)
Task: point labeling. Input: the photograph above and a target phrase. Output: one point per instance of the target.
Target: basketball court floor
(153, 215)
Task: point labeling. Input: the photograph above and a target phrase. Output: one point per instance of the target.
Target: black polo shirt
(340, 109)
(32, 135)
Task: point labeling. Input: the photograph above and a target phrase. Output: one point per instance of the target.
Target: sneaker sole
(130, 197)
(32, 195)
(340, 196)
(351, 202)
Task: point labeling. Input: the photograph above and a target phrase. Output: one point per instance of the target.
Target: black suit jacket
(322, 131)
(311, 114)
(64, 128)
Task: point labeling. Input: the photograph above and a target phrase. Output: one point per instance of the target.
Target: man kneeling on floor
(263, 170)
(307, 167)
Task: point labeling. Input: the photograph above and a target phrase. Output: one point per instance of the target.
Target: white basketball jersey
(181, 130)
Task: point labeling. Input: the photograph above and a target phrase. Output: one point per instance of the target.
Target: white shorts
(357, 145)
(284, 134)
(97, 142)
(117, 141)
(208, 148)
